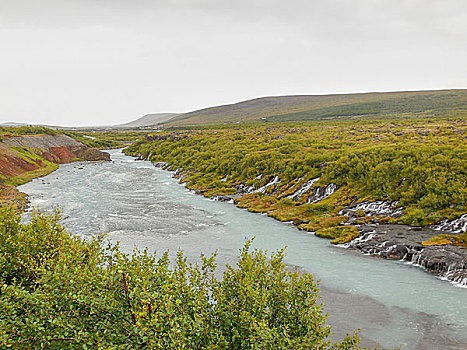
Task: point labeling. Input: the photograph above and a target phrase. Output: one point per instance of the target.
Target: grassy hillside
(148, 120)
(441, 103)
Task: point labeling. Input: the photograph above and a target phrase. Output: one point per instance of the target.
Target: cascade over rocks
(302, 189)
(455, 226)
(393, 242)
(319, 193)
(377, 208)
(274, 182)
(243, 188)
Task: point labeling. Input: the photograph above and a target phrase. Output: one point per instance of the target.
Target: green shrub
(61, 292)
(318, 208)
(415, 217)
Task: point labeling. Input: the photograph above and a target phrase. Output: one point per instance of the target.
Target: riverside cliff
(24, 157)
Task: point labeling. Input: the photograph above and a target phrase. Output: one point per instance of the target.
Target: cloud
(103, 62)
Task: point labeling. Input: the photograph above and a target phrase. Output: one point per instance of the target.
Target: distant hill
(14, 124)
(339, 106)
(149, 119)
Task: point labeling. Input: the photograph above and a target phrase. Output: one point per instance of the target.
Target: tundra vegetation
(418, 164)
(58, 291)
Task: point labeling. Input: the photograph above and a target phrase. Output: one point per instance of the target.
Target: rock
(298, 222)
(402, 242)
(222, 198)
(93, 154)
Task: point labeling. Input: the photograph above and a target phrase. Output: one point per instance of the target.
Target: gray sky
(99, 62)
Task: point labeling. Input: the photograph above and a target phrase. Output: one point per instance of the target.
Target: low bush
(59, 291)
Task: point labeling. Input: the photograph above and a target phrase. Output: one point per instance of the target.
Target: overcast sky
(100, 62)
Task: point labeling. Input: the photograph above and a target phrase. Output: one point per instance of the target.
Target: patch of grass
(457, 240)
(28, 176)
(338, 234)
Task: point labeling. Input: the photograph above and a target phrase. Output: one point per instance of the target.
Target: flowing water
(393, 303)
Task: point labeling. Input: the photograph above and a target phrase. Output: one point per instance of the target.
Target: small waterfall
(456, 274)
(377, 208)
(417, 258)
(263, 189)
(360, 239)
(304, 188)
(319, 193)
(243, 188)
(458, 225)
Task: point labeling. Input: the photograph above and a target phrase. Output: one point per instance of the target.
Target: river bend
(393, 303)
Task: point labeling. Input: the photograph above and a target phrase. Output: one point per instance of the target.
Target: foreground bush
(61, 292)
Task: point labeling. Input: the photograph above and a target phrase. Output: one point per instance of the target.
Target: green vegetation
(367, 106)
(27, 130)
(338, 234)
(59, 291)
(458, 240)
(107, 139)
(419, 163)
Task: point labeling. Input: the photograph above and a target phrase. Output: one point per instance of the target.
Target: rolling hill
(149, 119)
(435, 103)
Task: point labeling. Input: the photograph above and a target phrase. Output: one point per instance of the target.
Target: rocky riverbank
(392, 242)
(402, 242)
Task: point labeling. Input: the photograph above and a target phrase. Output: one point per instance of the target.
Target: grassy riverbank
(417, 165)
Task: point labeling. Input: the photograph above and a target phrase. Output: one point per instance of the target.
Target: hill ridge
(306, 107)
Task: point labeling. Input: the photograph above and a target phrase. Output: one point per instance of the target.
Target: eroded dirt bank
(25, 157)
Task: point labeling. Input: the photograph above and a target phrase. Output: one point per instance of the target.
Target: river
(393, 303)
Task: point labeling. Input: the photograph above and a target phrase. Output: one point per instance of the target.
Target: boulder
(93, 154)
